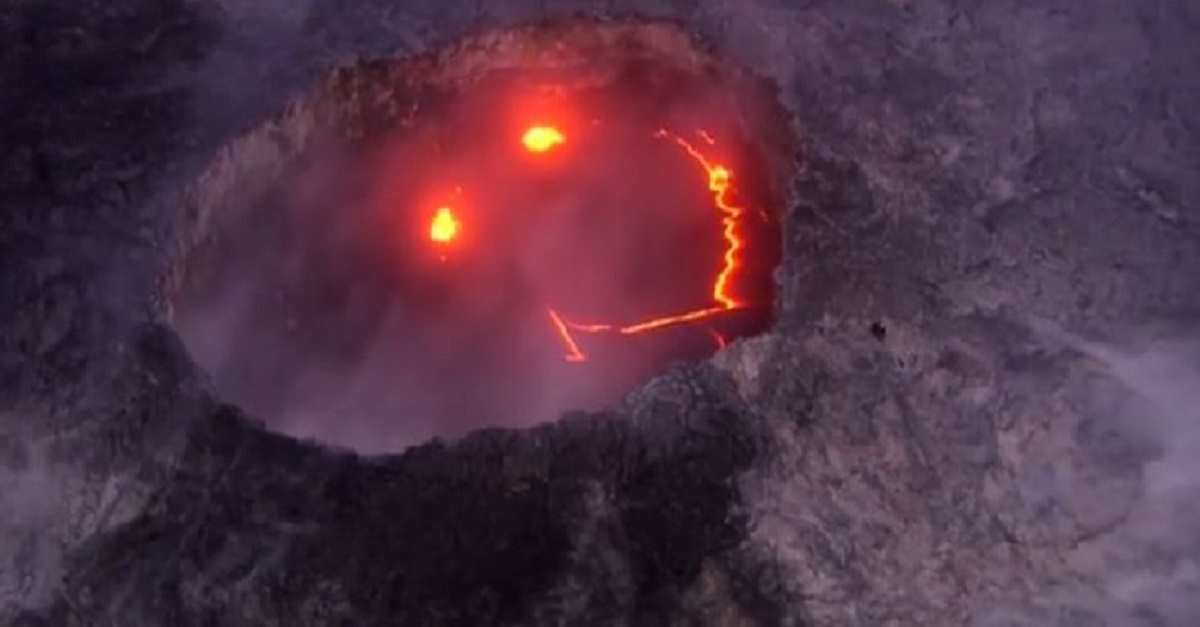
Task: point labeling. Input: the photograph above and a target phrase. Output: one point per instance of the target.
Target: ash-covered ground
(978, 405)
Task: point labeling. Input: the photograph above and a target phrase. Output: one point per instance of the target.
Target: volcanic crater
(525, 222)
(969, 398)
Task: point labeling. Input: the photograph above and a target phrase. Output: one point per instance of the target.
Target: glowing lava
(444, 227)
(560, 325)
(720, 184)
(538, 139)
(542, 138)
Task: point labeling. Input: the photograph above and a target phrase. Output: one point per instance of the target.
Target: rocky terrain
(978, 405)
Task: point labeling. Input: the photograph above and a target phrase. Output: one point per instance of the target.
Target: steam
(1153, 575)
(259, 36)
(1166, 524)
(325, 311)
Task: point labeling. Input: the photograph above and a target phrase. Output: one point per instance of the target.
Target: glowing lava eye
(444, 226)
(541, 138)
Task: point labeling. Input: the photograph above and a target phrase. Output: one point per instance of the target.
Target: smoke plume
(1152, 559)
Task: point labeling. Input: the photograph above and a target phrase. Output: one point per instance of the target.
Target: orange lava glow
(444, 227)
(539, 139)
(542, 138)
(720, 184)
(560, 325)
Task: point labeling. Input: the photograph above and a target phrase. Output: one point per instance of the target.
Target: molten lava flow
(720, 184)
(719, 179)
(542, 138)
(444, 226)
(560, 325)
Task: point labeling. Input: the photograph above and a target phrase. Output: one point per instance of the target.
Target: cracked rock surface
(925, 438)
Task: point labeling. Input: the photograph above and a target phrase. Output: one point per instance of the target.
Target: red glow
(445, 227)
(720, 184)
(720, 339)
(573, 352)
